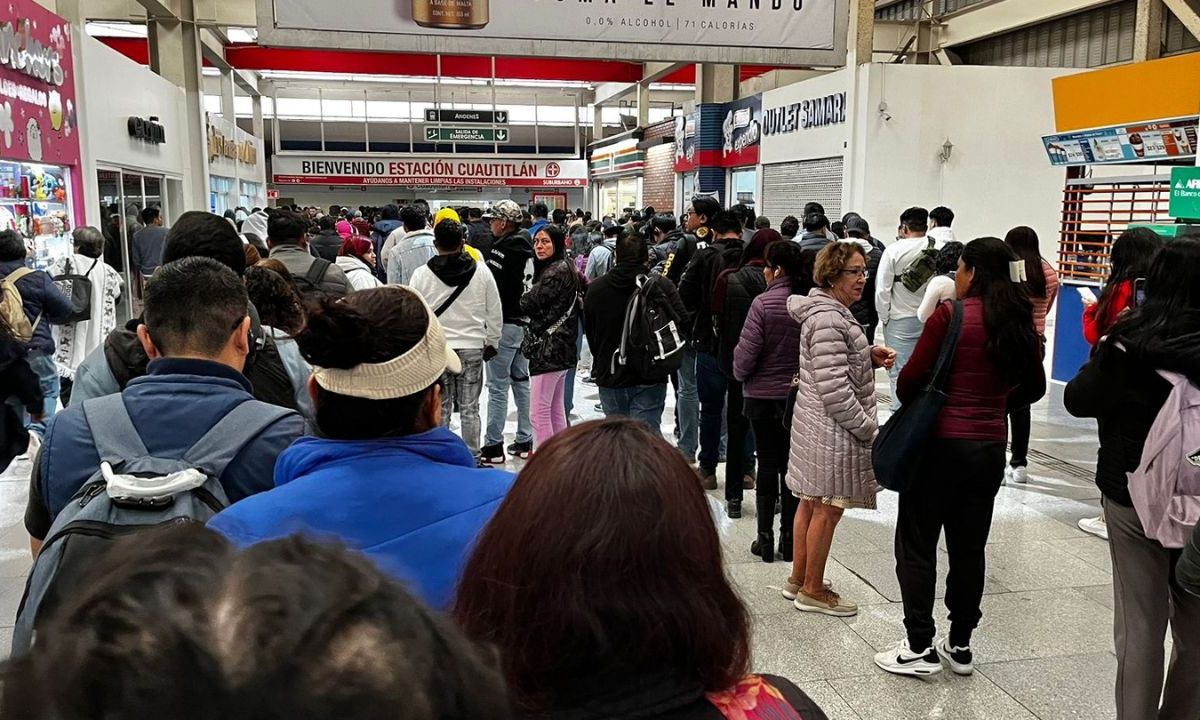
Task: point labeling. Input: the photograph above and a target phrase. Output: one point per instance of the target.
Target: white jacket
(475, 319)
(357, 272)
(892, 299)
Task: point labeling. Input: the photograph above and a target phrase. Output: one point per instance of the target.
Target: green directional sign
(467, 135)
(1185, 193)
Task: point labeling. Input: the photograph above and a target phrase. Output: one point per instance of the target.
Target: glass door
(123, 197)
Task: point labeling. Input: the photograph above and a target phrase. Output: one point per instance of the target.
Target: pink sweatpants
(546, 410)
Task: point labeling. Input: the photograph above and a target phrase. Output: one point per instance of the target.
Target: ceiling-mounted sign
(788, 32)
(334, 169)
(1168, 139)
(484, 117)
(467, 135)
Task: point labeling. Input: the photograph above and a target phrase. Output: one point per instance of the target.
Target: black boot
(785, 546)
(764, 547)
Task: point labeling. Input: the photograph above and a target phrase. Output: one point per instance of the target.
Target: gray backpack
(133, 491)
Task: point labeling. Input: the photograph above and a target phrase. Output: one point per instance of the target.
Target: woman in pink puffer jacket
(834, 422)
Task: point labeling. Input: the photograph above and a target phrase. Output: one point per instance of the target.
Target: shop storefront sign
(244, 151)
(331, 169)
(806, 114)
(147, 130)
(621, 158)
(741, 131)
(1185, 193)
(37, 86)
(729, 30)
(1127, 144)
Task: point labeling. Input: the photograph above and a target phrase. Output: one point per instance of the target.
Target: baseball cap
(505, 210)
(858, 227)
(408, 374)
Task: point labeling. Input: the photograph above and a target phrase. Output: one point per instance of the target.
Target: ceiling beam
(652, 72)
(1188, 12)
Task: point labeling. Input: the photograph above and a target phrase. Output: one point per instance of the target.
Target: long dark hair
(1129, 260)
(559, 238)
(1024, 242)
(796, 263)
(581, 572)
(1012, 342)
(1165, 330)
(369, 326)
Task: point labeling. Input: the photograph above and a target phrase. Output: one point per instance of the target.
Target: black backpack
(79, 289)
(652, 338)
(310, 282)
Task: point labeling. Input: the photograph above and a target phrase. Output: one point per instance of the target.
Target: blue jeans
(901, 335)
(713, 387)
(508, 368)
(687, 406)
(640, 402)
(464, 390)
(43, 366)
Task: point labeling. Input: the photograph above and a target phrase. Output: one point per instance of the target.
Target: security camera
(883, 113)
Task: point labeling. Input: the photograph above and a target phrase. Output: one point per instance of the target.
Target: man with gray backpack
(905, 268)
(178, 445)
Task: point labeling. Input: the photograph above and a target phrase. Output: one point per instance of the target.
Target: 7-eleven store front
(615, 172)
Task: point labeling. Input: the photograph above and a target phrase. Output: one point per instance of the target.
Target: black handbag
(901, 441)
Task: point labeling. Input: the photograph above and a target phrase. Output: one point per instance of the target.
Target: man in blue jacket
(44, 305)
(196, 331)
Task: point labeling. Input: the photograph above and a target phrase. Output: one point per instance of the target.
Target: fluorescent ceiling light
(111, 29)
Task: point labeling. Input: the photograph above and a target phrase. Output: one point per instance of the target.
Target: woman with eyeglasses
(834, 422)
(996, 365)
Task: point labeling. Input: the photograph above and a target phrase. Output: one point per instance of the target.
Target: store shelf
(12, 201)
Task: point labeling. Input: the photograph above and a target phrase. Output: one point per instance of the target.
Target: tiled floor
(1044, 647)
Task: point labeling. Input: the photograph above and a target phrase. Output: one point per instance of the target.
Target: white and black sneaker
(900, 660)
(959, 659)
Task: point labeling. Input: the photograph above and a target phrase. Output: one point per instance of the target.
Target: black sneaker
(960, 659)
(733, 509)
(521, 450)
(491, 455)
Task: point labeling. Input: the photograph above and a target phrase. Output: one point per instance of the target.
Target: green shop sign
(1185, 193)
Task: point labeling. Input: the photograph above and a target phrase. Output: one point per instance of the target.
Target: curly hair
(833, 259)
(275, 298)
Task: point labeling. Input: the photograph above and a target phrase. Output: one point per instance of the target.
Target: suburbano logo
(21, 52)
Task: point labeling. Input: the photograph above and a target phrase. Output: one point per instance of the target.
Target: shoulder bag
(901, 441)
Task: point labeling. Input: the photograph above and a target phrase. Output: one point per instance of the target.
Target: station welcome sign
(696, 30)
(424, 171)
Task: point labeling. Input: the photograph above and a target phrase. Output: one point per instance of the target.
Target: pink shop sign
(38, 114)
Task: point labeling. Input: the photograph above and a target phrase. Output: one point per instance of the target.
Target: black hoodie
(1122, 389)
(511, 262)
(453, 270)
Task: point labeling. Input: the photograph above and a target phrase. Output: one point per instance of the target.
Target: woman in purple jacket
(765, 361)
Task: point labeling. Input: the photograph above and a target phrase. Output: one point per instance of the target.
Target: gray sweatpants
(1147, 600)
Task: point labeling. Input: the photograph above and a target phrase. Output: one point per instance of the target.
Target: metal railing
(1096, 211)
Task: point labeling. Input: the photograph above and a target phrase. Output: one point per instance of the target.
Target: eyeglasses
(860, 272)
(689, 212)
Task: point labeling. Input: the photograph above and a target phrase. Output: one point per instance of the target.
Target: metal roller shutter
(788, 186)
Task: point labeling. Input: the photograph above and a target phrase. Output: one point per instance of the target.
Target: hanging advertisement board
(727, 31)
(1168, 139)
(334, 169)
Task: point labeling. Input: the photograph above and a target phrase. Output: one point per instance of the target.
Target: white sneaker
(960, 659)
(900, 660)
(1020, 475)
(1008, 475)
(1095, 526)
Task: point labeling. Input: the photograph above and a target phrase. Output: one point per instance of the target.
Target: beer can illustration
(450, 14)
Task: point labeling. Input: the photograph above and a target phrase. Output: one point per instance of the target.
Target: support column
(1147, 31)
(258, 127)
(175, 55)
(597, 123)
(861, 42)
(716, 83)
(228, 95)
(643, 104)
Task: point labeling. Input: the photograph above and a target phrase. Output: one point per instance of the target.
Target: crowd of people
(292, 380)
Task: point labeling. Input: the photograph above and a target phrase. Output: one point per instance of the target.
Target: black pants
(772, 440)
(739, 453)
(1022, 425)
(955, 489)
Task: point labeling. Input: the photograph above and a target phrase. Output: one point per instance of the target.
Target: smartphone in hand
(1139, 292)
(1089, 297)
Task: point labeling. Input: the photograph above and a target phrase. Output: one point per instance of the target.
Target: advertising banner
(334, 169)
(726, 30)
(38, 120)
(1128, 144)
(741, 131)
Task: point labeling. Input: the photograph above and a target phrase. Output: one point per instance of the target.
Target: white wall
(998, 175)
(233, 168)
(112, 88)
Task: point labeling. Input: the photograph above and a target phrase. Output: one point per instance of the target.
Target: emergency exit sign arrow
(501, 135)
(466, 135)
